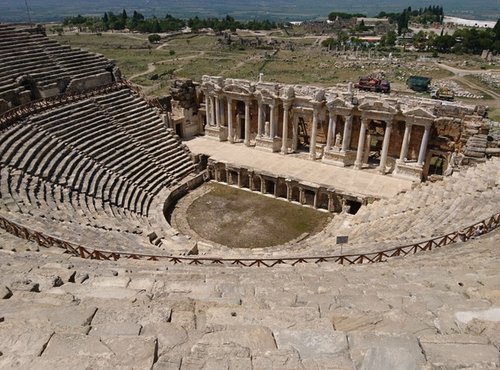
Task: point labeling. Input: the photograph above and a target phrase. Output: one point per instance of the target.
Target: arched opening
(436, 165)
(352, 206)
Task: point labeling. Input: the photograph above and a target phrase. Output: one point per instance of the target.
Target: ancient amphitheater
(92, 276)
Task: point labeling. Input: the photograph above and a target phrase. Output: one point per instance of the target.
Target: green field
(281, 57)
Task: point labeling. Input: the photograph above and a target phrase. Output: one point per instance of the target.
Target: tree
(154, 38)
(390, 38)
(496, 29)
(124, 15)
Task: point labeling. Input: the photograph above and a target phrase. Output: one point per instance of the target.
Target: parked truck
(373, 84)
(443, 93)
(418, 83)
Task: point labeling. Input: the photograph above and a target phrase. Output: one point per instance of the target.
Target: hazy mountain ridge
(54, 10)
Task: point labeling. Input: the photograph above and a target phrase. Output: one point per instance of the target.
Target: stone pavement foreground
(343, 179)
(435, 310)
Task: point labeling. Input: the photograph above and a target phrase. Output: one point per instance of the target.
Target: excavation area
(226, 215)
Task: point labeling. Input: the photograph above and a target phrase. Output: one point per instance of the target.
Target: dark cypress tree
(496, 29)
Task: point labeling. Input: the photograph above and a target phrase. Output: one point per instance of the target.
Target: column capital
(316, 106)
(287, 103)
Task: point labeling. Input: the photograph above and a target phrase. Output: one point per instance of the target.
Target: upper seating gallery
(32, 66)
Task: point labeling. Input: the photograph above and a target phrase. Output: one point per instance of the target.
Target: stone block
(380, 358)
(169, 335)
(224, 356)
(303, 317)
(370, 350)
(460, 351)
(186, 319)
(313, 343)
(19, 341)
(277, 359)
(339, 361)
(116, 328)
(58, 316)
(73, 345)
(255, 338)
(141, 284)
(104, 281)
(268, 144)
(138, 353)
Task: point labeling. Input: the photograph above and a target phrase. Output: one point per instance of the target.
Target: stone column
(284, 139)
(346, 139)
(423, 145)
(260, 120)
(295, 134)
(406, 142)
(217, 112)
(250, 181)
(361, 143)
(221, 112)
(213, 111)
(262, 185)
(385, 147)
(230, 133)
(301, 195)
(315, 201)
(330, 207)
(207, 108)
(288, 191)
(247, 123)
(239, 178)
(272, 121)
(332, 127)
(312, 141)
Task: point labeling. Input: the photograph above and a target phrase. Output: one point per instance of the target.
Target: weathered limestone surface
(433, 310)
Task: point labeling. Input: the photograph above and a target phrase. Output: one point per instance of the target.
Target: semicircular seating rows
(88, 171)
(34, 66)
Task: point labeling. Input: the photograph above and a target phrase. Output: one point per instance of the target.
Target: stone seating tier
(48, 64)
(426, 312)
(77, 167)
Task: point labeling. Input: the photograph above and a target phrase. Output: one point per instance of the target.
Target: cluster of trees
(466, 40)
(428, 15)
(228, 23)
(137, 22)
(462, 41)
(333, 15)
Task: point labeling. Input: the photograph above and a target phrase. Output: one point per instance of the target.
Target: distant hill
(56, 10)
